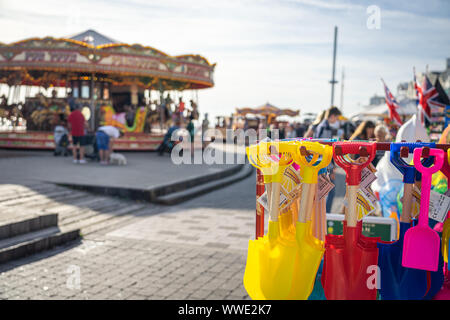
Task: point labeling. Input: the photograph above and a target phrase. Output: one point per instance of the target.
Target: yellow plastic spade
(310, 249)
(270, 259)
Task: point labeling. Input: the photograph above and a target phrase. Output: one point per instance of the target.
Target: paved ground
(195, 250)
(198, 253)
(143, 170)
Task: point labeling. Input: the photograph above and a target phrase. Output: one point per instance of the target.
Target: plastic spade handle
(408, 171)
(272, 168)
(426, 180)
(353, 169)
(309, 170)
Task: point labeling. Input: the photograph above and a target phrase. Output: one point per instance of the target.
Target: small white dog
(118, 159)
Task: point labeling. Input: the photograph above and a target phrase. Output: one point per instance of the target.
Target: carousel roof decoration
(93, 38)
(267, 110)
(90, 53)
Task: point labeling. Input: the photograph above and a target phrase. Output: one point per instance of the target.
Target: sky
(266, 51)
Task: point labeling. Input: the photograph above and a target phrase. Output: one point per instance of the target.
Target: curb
(42, 243)
(177, 197)
(152, 194)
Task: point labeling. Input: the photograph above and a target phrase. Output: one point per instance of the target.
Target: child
(61, 138)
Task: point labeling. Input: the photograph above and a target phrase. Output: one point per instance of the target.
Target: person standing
(312, 128)
(326, 130)
(180, 109)
(365, 131)
(190, 128)
(205, 125)
(194, 109)
(105, 136)
(77, 125)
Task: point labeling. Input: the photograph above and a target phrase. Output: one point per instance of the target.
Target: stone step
(101, 217)
(11, 227)
(33, 242)
(110, 224)
(85, 214)
(177, 197)
(39, 198)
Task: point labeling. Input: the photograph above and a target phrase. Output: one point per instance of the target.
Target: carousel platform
(39, 140)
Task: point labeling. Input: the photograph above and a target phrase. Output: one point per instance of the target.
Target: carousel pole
(9, 94)
(92, 104)
(161, 111)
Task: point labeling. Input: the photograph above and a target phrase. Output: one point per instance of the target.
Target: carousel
(253, 118)
(267, 113)
(114, 83)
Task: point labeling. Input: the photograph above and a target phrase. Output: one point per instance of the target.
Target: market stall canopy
(267, 110)
(52, 61)
(407, 107)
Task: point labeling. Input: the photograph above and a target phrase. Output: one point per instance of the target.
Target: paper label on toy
(262, 200)
(371, 167)
(291, 179)
(367, 177)
(439, 206)
(324, 186)
(284, 201)
(368, 193)
(295, 193)
(415, 209)
(364, 203)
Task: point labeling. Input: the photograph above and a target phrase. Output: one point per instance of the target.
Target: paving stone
(133, 260)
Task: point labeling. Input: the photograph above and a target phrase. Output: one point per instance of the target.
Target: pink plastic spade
(421, 247)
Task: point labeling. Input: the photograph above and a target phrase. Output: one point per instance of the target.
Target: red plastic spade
(351, 258)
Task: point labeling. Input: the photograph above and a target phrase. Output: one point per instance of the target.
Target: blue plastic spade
(398, 282)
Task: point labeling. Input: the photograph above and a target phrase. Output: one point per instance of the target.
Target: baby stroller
(91, 150)
(61, 136)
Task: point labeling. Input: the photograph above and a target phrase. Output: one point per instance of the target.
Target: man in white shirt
(105, 136)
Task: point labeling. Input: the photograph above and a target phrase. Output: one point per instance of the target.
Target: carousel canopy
(53, 61)
(267, 110)
(407, 107)
(93, 38)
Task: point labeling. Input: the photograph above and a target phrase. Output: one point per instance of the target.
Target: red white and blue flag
(392, 105)
(423, 115)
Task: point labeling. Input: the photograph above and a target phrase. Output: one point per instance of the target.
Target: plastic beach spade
(348, 257)
(270, 258)
(310, 249)
(422, 244)
(398, 282)
(444, 293)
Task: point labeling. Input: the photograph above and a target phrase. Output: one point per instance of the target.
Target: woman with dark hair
(310, 132)
(365, 131)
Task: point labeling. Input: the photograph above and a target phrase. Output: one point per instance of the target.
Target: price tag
(324, 185)
(263, 201)
(367, 177)
(284, 200)
(365, 200)
(439, 206)
(416, 202)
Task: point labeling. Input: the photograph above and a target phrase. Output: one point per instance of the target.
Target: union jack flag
(428, 96)
(422, 113)
(392, 105)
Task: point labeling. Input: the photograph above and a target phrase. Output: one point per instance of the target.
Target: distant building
(444, 77)
(376, 100)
